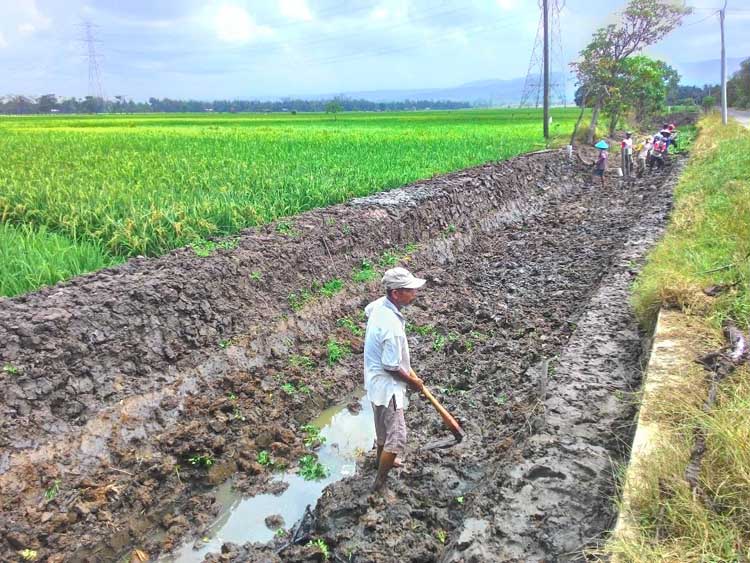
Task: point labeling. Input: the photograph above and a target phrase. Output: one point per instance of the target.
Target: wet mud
(132, 393)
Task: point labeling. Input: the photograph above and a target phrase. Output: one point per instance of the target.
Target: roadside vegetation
(143, 185)
(706, 244)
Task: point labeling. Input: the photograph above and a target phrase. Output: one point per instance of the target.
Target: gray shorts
(390, 427)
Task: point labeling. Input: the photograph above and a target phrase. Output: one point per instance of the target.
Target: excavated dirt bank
(113, 382)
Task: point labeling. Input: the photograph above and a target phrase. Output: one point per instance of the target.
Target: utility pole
(545, 7)
(722, 13)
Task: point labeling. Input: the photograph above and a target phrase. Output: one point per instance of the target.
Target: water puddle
(242, 520)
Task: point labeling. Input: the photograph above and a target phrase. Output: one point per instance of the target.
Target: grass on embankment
(38, 257)
(709, 230)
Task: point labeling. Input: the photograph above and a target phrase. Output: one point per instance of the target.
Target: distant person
(667, 138)
(600, 168)
(658, 153)
(626, 154)
(388, 367)
(673, 134)
(644, 150)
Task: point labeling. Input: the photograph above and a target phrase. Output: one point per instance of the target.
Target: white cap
(401, 278)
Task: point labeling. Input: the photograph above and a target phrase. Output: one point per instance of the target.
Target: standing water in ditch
(347, 435)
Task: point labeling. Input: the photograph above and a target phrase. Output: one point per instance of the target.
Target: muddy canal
(158, 409)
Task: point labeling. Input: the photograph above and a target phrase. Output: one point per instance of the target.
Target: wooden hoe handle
(448, 419)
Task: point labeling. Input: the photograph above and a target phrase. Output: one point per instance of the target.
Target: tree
(738, 87)
(46, 103)
(643, 23)
(333, 107)
(708, 102)
(640, 84)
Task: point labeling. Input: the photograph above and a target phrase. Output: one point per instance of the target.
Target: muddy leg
(385, 465)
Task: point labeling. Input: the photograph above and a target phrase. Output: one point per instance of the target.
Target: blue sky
(218, 49)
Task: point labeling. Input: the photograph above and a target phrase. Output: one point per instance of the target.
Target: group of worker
(651, 151)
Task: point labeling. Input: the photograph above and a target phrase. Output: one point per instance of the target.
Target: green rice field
(78, 193)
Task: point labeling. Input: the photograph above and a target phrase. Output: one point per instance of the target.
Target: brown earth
(115, 381)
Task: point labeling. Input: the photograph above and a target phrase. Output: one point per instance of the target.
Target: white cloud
(507, 5)
(22, 18)
(380, 13)
(3, 42)
(233, 24)
(295, 10)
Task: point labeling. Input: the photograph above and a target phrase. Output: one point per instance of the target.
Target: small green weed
(322, 547)
(231, 396)
(311, 469)
(410, 248)
(224, 344)
(336, 351)
(365, 273)
(280, 533)
(204, 248)
(237, 414)
(264, 458)
(501, 399)
(439, 343)
(289, 389)
(10, 369)
(298, 299)
(301, 361)
(331, 288)
(441, 535)
(452, 390)
(422, 330)
(449, 230)
(312, 436)
(53, 490)
(460, 500)
(388, 259)
(287, 229)
(351, 326)
(256, 275)
(201, 460)
(29, 555)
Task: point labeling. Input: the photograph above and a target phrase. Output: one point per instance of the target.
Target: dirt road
(119, 381)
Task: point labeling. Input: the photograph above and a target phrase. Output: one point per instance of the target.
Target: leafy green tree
(708, 102)
(46, 103)
(643, 23)
(639, 84)
(738, 87)
(333, 107)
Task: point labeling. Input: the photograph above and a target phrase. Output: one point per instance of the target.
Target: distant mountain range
(509, 92)
(481, 92)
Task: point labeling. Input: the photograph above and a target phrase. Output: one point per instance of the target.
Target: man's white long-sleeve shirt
(386, 348)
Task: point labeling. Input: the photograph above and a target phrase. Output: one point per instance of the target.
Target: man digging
(387, 367)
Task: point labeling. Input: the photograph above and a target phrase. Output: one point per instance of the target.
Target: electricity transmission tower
(90, 42)
(533, 90)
